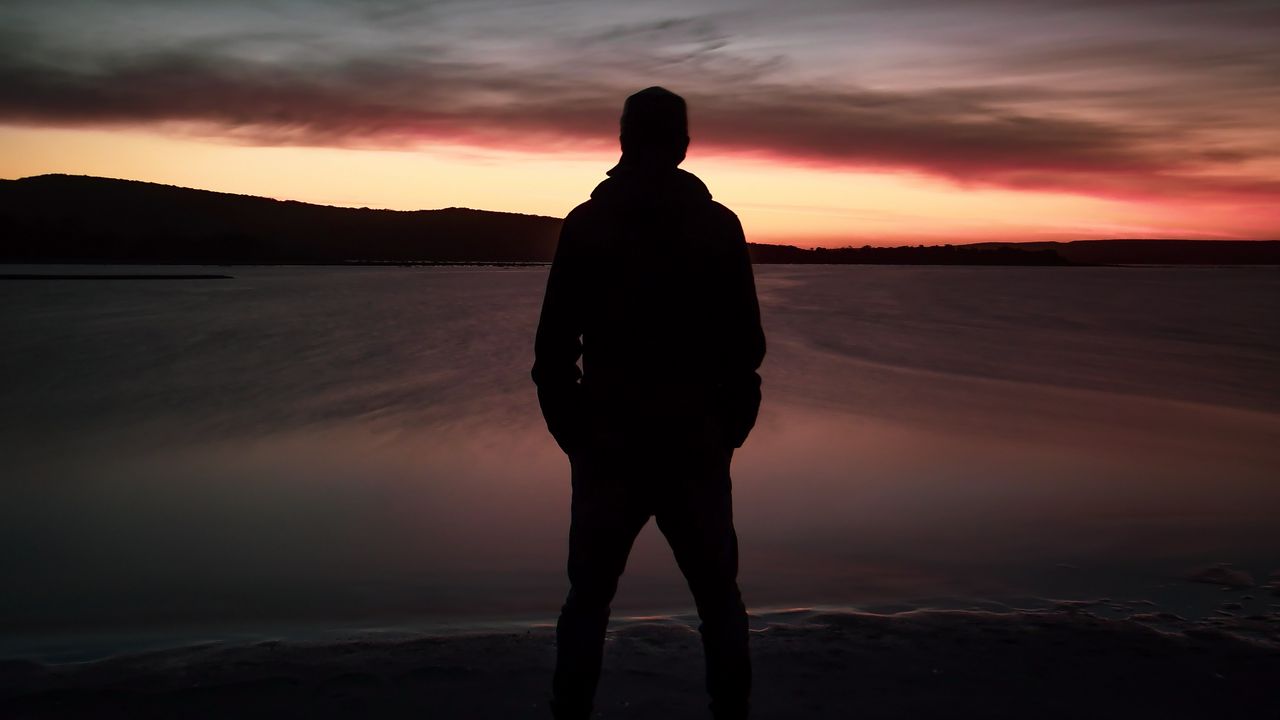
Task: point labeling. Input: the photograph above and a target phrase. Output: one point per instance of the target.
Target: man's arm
(746, 343)
(558, 344)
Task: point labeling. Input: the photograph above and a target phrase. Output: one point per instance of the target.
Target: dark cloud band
(1018, 135)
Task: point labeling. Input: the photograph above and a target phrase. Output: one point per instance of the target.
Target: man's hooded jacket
(652, 287)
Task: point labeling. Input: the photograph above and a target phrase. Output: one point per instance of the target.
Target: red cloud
(964, 136)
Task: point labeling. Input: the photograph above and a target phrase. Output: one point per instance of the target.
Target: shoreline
(1207, 602)
(520, 264)
(1068, 661)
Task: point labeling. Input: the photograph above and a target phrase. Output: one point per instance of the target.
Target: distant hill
(1155, 252)
(1010, 254)
(1076, 252)
(71, 218)
(67, 218)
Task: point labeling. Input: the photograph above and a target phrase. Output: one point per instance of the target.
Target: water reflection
(363, 446)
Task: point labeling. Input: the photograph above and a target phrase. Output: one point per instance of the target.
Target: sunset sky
(820, 123)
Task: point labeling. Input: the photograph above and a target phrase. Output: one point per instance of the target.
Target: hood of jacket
(639, 187)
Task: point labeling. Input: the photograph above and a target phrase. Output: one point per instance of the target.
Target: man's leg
(605, 522)
(696, 517)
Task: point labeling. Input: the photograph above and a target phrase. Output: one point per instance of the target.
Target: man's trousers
(688, 491)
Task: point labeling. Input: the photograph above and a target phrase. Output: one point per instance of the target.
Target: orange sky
(868, 124)
(777, 201)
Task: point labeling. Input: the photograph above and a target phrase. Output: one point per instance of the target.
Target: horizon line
(552, 217)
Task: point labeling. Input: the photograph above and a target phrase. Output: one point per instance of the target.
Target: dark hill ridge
(72, 218)
(1010, 254)
(1076, 252)
(1158, 251)
(66, 218)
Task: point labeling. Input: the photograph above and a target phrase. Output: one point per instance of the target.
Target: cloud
(1017, 131)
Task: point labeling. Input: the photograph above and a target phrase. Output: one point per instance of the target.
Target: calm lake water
(355, 447)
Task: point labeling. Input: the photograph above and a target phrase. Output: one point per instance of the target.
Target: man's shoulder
(585, 213)
(722, 223)
(712, 215)
(583, 209)
(723, 213)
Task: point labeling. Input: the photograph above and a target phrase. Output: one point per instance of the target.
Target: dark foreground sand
(1065, 662)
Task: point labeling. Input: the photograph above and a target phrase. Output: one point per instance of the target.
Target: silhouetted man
(652, 287)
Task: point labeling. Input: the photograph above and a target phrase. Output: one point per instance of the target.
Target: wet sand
(1063, 662)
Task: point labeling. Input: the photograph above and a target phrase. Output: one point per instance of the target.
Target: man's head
(655, 128)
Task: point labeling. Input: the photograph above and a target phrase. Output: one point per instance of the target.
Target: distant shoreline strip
(42, 276)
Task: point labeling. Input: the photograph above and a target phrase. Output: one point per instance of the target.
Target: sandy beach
(1068, 661)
